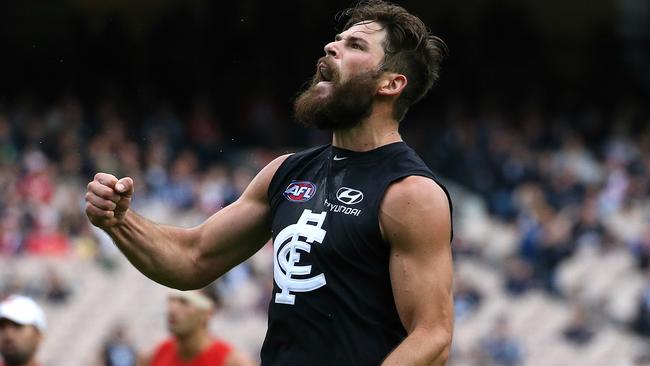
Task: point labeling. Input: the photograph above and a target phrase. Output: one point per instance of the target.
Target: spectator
(118, 350)
(204, 130)
(641, 322)
(500, 347)
(519, 277)
(641, 249)
(555, 245)
(181, 187)
(578, 331)
(467, 298)
(56, 291)
(588, 229)
(22, 323)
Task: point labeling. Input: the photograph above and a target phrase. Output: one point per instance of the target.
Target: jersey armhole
(272, 191)
(417, 173)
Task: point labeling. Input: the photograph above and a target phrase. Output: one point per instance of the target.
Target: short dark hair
(410, 48)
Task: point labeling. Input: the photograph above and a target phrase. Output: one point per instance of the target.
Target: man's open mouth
(325, 72)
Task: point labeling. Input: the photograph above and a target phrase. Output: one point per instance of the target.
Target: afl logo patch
(349, 196)
(300, 191)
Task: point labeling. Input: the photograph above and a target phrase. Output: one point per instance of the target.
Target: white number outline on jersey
(285, 256)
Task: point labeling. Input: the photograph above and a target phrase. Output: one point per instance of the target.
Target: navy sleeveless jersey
(332, 301)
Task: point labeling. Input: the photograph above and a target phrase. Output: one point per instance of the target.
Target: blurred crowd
(183, 172)
(563, 181)
(560, 179)
(47, 156)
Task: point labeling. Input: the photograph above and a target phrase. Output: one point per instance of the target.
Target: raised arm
(415, 220)
(183, 258)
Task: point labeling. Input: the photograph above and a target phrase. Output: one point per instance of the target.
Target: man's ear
(392, 84)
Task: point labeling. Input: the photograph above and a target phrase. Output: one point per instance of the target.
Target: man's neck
(371, 133)
(193, 344)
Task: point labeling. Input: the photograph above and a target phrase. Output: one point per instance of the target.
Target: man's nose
(331, 49)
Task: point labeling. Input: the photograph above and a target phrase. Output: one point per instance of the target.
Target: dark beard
(344, 107)
(18, 358)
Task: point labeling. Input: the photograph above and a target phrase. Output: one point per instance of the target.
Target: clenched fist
(108, 199)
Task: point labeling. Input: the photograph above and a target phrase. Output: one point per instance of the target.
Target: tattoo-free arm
(187, 258)
(415, 220)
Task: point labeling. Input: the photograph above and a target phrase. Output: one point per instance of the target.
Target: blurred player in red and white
(22, 323)
(192, 344)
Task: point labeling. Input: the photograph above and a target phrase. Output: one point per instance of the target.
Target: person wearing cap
(22, 324)
(191, 344)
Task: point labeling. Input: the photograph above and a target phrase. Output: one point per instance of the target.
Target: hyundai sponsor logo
(349, 196)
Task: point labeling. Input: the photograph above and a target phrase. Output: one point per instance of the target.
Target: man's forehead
(367, 29)
(7, 321)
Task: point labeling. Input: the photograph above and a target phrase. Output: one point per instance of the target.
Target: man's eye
(356, 46)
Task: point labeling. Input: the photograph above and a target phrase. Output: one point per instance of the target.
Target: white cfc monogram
(285, 249)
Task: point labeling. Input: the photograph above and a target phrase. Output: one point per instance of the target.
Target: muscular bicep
(415, 220)
(237, 231)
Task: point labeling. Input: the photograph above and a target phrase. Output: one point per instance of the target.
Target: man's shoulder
(164, 346)
(286, 163)
(413, 187)
(219, 345)
(308, 153)
(168, 342)
(416, 201)
(217, 353)
(290, 158)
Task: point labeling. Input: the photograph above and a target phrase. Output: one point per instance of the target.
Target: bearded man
(22, 324)
(360, 227)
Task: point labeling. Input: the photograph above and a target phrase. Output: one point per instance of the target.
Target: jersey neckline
(343, 156)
